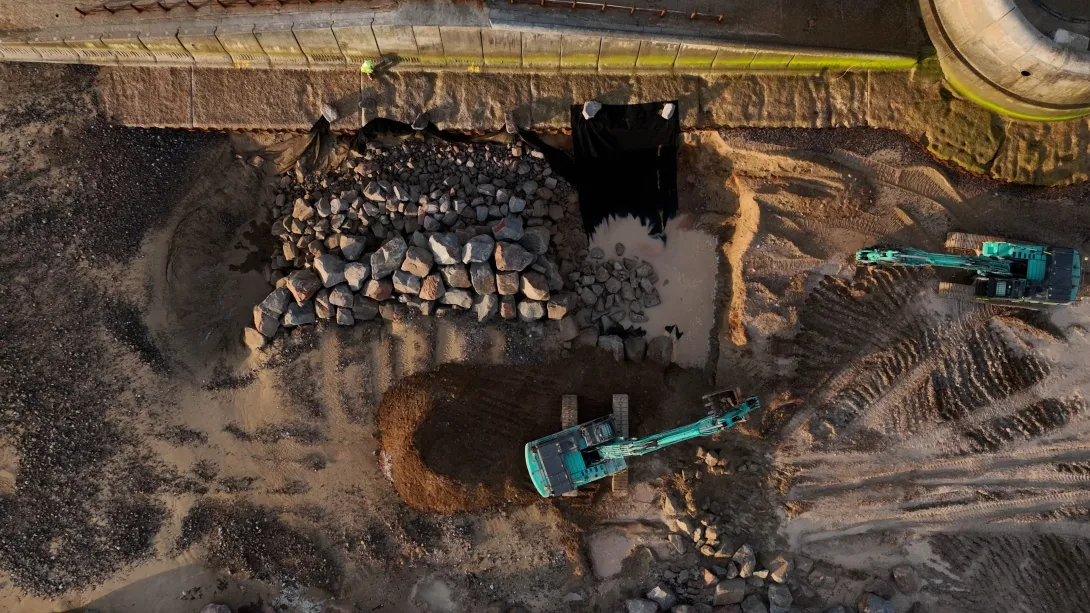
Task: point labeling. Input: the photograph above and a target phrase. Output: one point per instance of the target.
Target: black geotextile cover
(626, 163)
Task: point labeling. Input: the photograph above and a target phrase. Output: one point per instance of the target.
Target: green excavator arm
(917, 257)
(717, 422)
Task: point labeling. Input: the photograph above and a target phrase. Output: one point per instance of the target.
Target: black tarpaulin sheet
(626, 163)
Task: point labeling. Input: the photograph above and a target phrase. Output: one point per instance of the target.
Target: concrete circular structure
(991, 53)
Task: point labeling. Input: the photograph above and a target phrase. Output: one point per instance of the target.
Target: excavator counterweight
(562, 462)
(1003, 271)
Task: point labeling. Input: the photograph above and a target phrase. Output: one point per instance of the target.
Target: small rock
(880, 587)
(418, 261)
(906, 579)
(302, 211)
(364, 308)
(508, 308)
(379, 289)
(873, 603)
(355, 273)
(432, 287)
(276, 302)
(330, 269)
(456, 275)
(634, 348)
(677, 542)
(478, 249)
(535, 240)
(341, 296)
(298, 315)
(482, 278)
(779, 568)
(730, 591)
(486, 306)
(507, 283)
(508, 229)
(663, 596)
(612, 344)
(406, 282)
(389, 257)
(534, 286)
(516, 205)
(457, 297)
(709, 578)
(588, 337)
(373, 192)
(345, 317)
(639, 605)
(567, 330)
(745, 560)
(253, 338)
(779, 598)
(322, 207)
(761, 574)
(512, 257)
(445, 248)
(561, 304)
(351, 246)
(531, 310)
(303, 284)
(753, 604)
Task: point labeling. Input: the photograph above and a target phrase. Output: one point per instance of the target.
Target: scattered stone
(516, 205)
(634, 348)
(730, 591)
(508, 229)
(418, 261)
(873, 603)
(330, 269)
(254, 339)
(389, 257)
(619, 249)
(345, 317)
(535, 240)
(421, 122)
(457, 297)
(406, 282)
(531, 310)
(761, 574)
(298, 315)
(341, 296)
(779, 598)
(507, 283)
(478, 249)
(709, 578)
(355, 273)
(351, 246)
(432, 287)
(512, 257)
(486, 306)
(561, 304)
(456, 275)
(590, 109)
(303, 284)
(567, 330)
(779, 568)
(639, 605)
(379, 289)
(302, 211)
(322, 308)
(597, 253)
(508, 308)
(614, 345)
(364, 308)
(753, 604)
(534, 286)
(446, 248)
(745, 560)
(663, 596)
(482, 278)
(373, 192)
(906, 579)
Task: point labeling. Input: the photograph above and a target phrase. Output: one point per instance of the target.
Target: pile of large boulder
(438, 227)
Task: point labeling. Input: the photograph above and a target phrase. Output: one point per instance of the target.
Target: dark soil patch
(456, 436)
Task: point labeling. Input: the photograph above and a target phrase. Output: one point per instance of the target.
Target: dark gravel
(75, 195)
(252, 539)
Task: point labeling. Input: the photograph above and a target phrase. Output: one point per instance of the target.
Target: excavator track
(569, 418)
(620, 420)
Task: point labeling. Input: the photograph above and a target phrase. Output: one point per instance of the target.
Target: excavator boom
(917, 257)
(708, 426)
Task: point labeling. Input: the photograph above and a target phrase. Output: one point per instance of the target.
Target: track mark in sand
(1033, 421)
(746, 222)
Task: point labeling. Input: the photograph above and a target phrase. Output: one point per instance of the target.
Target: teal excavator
(580, 454)
(1001, 271)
